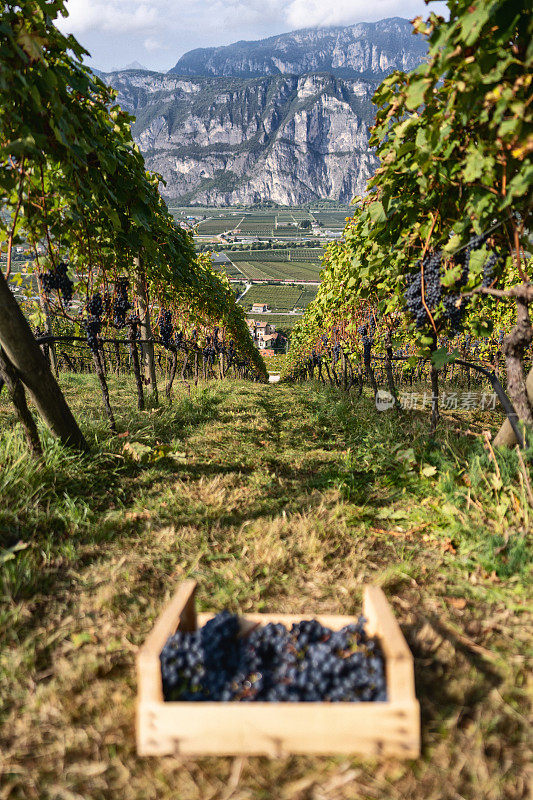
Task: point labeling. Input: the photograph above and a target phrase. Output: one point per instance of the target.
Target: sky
(157, 32)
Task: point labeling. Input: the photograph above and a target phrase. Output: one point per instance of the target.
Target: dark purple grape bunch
(63, 283)
(93, 324)
(121, 304)
(309, 663)
(166, 328)
(367, 341)
(432, 289)
(199, 665)
(209, 351)
(95, 306)
(490, 268)
(58, 279)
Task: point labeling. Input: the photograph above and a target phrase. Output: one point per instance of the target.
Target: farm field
(264, 224)
(278, 298)
(231, 269)
(274, 498)
(214, 227)
(281, 321)
(333, 220)
(278, 254)
(279, 270)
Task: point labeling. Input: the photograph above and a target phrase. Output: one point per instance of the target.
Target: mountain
(136, 65)
(368, 49)
(230, 140)
(291, 127)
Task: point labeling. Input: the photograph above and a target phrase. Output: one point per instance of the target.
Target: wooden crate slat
(398, 659)
(180, 610)
(278, 729)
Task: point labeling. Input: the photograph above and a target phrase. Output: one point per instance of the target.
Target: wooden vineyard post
(147, 345)
(506, 436)
(172, 374)
(21, 349)
(136, 367)
(385, 728)
(97, 360)
(9, 378)
(50, 346)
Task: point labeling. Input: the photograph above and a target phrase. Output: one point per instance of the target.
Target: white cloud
(118, 16)
(310, 13)
(154, 45)
(119, 30)
(123, 16)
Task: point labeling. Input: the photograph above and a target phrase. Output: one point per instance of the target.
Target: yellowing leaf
(32, 45)
(428, 470)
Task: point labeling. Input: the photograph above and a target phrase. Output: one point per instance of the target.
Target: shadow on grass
(44, 504)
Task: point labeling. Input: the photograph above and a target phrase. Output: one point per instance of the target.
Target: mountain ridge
(291, 137)
(345, 51)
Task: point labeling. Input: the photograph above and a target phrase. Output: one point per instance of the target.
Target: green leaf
(415, 94)
(473, 20)
(441, 357)
(377, 212)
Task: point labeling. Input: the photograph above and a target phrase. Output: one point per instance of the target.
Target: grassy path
(273, 498)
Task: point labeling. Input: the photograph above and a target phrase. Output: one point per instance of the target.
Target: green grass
(281, 497)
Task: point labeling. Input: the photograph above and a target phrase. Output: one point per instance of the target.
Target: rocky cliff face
(291, 138)
(366, 49)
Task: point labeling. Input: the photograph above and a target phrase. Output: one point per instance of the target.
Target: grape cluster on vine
(432, 289)
(93, 323)
(308, 663)
(166, 328)
(367, 340)
(59, 280)
(93, 326)
(454, 304)
(209, 352)
(95, 305)
(121, 304)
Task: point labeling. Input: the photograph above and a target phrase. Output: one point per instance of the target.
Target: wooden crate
(390, 728)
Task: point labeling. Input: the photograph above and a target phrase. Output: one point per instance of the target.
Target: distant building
(272, 343)
(265, 337)
(259, 308)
